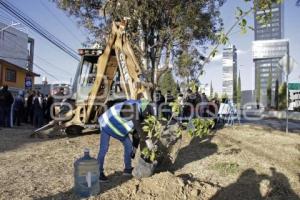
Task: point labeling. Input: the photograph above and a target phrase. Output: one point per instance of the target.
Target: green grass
(226, 168)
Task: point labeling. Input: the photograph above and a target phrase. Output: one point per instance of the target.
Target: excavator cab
(86, 73)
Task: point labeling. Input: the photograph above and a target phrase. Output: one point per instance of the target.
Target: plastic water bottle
(86, 175)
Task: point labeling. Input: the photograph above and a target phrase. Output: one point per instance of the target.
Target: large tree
(188, 64)
(157, 28)
(162, 29)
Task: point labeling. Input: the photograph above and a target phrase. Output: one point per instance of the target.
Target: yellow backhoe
(91, 92)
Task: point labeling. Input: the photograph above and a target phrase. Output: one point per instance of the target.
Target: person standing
(168, 109)
(204, 105)
(159, 100)
(49, 103)
(30, 106)
(188, 110)
(18, 108)
(38, 115)
(7, 104)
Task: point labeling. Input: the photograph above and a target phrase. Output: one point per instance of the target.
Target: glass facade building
(268, 48)
(229, 74)
(273, 29)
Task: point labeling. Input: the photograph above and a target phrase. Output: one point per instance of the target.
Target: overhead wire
(36, 27)
(21, 50)
(59, 21)
(51, 75)
(51, 64)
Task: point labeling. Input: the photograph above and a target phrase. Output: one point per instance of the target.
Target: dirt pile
(236, 164)
(163, 186)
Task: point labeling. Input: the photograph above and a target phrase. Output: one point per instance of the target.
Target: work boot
(103, 178)
(128, 172)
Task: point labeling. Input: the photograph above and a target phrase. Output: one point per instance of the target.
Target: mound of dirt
(236, 164)
(164, 185)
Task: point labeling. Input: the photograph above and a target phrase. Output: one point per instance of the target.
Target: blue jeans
(104, 145)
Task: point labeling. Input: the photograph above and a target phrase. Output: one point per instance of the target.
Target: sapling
(154, 129)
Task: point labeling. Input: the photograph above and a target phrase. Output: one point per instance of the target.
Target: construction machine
(91, 92)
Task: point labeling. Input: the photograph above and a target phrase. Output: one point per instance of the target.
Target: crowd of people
(34, 107)
(192, 104)
(31, 107)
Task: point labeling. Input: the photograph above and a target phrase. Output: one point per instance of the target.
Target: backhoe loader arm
(119, 48)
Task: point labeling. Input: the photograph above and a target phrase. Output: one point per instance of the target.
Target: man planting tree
(118, 122)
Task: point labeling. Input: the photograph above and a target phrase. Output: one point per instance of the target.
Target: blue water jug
(86, 175)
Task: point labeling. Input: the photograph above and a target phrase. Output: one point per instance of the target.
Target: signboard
(294, 86)
(294, 95)
(28, 82)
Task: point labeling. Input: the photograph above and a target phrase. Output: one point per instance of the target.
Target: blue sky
(243, 44)
(65, 28)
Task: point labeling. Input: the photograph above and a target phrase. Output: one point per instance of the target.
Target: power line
(51, 75)
(51, 64)
(39, 57)
(40, 30)
(59, 21)
(39, 67)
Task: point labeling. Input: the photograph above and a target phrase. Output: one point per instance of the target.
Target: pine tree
(282, 96)
(167, 82)
(258, 88)
(234, 97)
(277, 94)
(269, 90)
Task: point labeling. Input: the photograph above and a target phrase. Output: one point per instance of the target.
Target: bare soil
(237, 163)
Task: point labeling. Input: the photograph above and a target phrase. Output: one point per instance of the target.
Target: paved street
(294, 126)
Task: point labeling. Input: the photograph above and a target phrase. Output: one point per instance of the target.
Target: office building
(268, 48)
(229, 74)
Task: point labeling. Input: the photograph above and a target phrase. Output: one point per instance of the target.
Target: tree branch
(207, 59)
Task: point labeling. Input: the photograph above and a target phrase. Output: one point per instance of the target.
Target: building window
(10, 75)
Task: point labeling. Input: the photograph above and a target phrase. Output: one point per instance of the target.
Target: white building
(229, 74)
